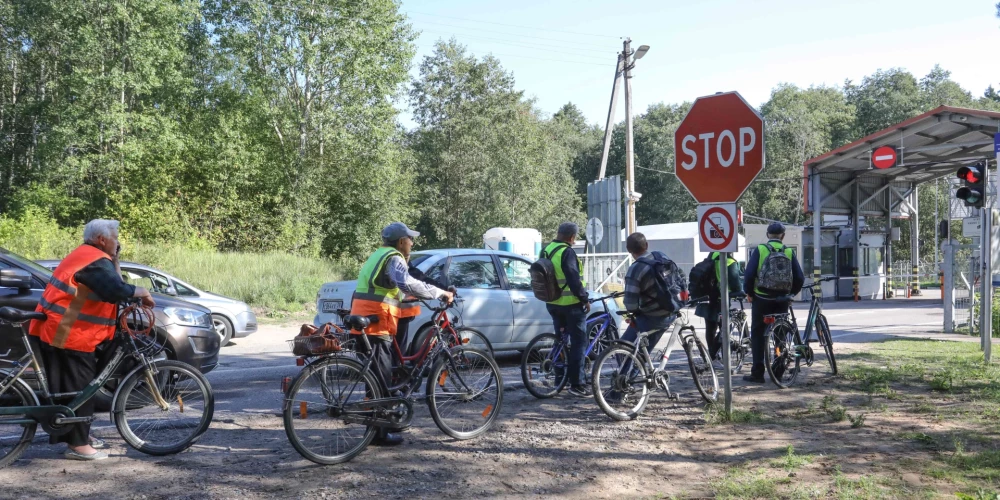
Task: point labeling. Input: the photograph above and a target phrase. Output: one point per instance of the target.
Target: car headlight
(188, 317)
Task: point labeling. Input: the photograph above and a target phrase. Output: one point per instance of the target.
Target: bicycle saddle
(18, 316)
(356, 322)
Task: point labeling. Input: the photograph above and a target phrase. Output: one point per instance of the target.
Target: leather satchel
(312, 341)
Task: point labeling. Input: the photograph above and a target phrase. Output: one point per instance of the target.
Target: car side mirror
(171, 291)
(15, 278)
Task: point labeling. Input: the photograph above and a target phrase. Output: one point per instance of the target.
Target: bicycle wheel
(475, 339)
(823, 332)
(739, 343)
(152, 429)
(608, 336)
(16, 437)
(780, 358)
(620, 383)
(702, 370)
(543, 366)
(312, 410)
(465, 393)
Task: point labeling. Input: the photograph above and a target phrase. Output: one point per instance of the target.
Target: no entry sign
(884, 157)
(717, 228)
(719, 148)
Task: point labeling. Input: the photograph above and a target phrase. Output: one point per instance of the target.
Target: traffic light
(973, 190)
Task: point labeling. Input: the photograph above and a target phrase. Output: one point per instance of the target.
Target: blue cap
(776, 228)
(397, 230)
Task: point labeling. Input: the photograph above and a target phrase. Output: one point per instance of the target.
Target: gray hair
(99, 227)
(567, 229)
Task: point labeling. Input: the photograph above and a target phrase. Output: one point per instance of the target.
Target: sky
(563, 51)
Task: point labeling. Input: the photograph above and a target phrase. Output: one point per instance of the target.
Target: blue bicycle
(544, 363)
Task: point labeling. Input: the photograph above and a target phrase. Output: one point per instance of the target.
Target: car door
(150, 281)
(530, 316)
(10, 337)
(484, 304)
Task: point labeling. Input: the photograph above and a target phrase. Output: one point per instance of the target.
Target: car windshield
(27, 264)
(417, 258)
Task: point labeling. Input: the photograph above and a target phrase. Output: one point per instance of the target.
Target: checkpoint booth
(877, 179)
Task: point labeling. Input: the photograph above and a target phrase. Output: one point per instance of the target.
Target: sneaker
(580, 391)
(751, 378)
(97, 455)
(387, 439)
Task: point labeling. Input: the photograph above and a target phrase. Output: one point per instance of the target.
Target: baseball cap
(397, 230)
(776, 228)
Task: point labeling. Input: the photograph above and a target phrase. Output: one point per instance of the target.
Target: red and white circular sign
(717, 228)
(884, 157)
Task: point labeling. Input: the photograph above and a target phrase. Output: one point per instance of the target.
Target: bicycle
(624, 375)
(544, 364)
(335, 405)
(739, 335)
(785, 348)
(161, 407)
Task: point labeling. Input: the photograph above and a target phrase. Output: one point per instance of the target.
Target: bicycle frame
(604, 317)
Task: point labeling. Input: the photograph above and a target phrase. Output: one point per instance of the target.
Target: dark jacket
(419, 275)
(713, 307)
(750, 279)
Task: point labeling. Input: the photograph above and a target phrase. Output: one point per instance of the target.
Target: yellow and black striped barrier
(915, 284)
(887, 294)
(857, 284)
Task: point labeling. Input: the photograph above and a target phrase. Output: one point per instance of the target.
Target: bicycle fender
(26, 386)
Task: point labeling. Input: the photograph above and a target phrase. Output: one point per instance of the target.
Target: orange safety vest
(77, 318)
(376, 295)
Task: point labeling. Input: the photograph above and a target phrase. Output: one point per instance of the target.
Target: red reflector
(768, 320)
(284, 384)
(300, 362)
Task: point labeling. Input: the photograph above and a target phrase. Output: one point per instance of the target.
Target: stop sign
(719, 148)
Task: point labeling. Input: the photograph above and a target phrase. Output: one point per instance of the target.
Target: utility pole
(623, 76)
(629, 158)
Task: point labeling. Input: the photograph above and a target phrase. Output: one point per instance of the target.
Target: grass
(715, 415)
(790, 461)
(744, 482)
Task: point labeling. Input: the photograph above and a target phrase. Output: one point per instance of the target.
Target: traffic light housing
(973, 190)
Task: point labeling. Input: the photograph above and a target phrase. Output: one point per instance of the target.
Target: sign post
(719, 151)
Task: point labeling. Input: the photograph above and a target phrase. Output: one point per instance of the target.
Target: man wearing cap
(382, 282)
(762, 299)
(569, 312)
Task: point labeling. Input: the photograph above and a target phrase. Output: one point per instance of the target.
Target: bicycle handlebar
(614, 295)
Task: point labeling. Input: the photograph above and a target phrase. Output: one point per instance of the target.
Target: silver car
(230, 317)
(494, 295)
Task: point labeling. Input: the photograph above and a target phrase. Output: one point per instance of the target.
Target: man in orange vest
(382, 282)
(80, 304)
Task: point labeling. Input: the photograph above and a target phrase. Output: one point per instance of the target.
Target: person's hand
(447, 297)
(586, 307)
(453, 290)
(749, 299)
(147, 299)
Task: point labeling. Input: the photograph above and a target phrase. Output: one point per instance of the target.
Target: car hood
(338, 288)
(163, 301)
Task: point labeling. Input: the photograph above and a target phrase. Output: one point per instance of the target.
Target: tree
(883, 99)
(483, 156)
(583, 143)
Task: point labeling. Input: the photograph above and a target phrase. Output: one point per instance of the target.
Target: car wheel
(224, 328)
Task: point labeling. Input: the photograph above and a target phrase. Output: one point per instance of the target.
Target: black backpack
(544, 283)
(669, 282)
(703, 281)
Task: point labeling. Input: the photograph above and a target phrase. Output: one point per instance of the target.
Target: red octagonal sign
(719, 148)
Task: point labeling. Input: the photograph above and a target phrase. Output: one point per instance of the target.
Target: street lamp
(641, 51)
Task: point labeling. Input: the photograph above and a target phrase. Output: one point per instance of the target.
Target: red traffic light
(972, 175)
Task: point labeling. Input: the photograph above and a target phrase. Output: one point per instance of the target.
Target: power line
(534, 45)
(523, 46)
(516, 34)
(512, 25)
(550, 60)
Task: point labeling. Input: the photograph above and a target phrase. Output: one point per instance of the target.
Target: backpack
(775, 272)
(702, 281)
(544, 283)
(669, 283)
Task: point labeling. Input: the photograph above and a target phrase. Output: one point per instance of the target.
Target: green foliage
(36, 236)
(857, 421)
(790, 461)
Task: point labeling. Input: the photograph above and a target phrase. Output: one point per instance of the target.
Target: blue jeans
(645, 324)
(572, 320)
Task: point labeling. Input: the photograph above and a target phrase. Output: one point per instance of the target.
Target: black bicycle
(787, 348)
(335, 405)
(739, 335)
(160, 408)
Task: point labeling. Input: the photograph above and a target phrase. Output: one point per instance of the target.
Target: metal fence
(966, 274)
(605, 272)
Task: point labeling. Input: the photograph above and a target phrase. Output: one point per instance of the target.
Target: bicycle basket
(135, 325)
(328, 338)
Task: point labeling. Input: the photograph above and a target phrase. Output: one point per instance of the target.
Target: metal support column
(630, 222)
(914, 243)
(727, 376)
(888, 246)
(986, 278)
(857, 238)
(817, 207)
(948, 254)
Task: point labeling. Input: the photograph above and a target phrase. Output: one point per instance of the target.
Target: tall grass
(274, 283)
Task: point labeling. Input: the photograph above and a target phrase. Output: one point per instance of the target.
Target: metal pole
(609, 127)
(937, 205)
(915, 243)
(986, 252)
(727, 375)
(629, 161)
(817, 205)
(857, 239)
